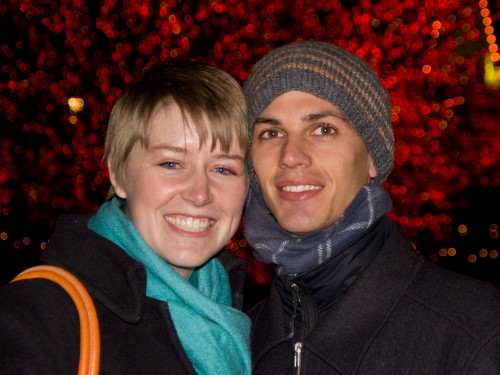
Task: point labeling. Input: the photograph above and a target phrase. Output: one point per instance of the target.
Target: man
(350, 294)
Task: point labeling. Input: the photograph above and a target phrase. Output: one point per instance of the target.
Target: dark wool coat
(39, 326)
(402, 315)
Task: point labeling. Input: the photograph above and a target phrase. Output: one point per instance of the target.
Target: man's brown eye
(269, 134)
(324, 130)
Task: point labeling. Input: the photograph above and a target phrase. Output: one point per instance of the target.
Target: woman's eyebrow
(221, 155)
(163, 146)
(230, 156)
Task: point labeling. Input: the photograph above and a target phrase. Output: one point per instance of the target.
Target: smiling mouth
(299, 188)
(189, 224)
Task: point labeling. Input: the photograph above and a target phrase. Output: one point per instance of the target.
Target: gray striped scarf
(292, 254)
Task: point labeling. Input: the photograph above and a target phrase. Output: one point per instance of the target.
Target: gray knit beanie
(332, 74)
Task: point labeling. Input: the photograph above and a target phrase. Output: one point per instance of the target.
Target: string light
(491, 72)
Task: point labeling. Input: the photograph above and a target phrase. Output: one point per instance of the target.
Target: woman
(176, 155)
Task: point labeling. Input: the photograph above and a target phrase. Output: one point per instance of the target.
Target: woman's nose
(197, 190)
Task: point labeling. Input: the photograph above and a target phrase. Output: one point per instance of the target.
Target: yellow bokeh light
(75, 104)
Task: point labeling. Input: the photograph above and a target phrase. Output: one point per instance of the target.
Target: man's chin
(299, 226)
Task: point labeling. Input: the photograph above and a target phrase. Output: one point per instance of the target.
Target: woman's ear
(119, 189)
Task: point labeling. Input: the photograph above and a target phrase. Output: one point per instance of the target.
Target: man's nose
(294, 152)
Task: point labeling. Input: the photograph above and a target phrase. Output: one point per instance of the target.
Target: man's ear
(372, 171)
(119, 189)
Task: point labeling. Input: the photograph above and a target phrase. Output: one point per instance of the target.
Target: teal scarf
(214, 335)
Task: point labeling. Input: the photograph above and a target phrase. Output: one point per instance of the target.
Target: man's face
(309, 161)
(184, 200)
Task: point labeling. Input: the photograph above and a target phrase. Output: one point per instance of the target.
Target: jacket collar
(110, 275)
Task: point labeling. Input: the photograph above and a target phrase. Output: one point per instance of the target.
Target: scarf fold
(292, 254)
(214, 335)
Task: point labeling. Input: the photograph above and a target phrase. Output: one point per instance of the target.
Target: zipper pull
(295, 290)
(296, 302)
(297, 358)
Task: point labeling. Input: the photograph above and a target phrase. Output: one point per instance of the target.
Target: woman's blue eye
(223, 171)
(170, 165)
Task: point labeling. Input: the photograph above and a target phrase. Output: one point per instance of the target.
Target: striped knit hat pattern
(332, 74)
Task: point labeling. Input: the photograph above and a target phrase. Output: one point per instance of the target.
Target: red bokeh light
(429, 54)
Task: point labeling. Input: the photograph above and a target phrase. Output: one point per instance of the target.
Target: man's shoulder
(458, 297)
(439, 287)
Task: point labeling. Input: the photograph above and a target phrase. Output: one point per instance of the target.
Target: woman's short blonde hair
(211, 98)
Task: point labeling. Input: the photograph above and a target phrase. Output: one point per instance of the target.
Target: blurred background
(63, 63)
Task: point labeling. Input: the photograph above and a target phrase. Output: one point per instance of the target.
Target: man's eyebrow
(267, 120)
(320, 115)
(310, 117)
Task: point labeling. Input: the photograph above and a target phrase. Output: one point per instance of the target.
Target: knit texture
(214, 335)
(332, 74)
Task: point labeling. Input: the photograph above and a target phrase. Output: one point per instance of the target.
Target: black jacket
(402, 315)
(39, 326)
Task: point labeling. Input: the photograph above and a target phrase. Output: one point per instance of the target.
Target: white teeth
(189, 224)
(300, 188)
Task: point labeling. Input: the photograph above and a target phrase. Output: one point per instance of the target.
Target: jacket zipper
(300, 298)
(296, 303)
(297, 358)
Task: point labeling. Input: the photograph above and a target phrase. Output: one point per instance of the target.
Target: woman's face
(184, 199)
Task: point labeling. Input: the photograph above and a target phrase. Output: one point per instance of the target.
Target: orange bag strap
(90, 340)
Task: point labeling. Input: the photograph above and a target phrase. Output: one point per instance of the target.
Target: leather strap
(90, 341)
